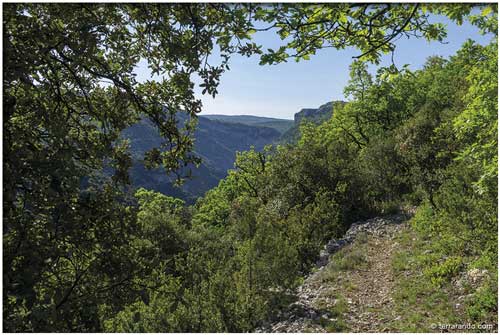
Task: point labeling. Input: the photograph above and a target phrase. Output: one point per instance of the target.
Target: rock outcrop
(322, 113)
(314, 115)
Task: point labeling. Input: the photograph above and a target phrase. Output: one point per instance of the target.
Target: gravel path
(365, 290)
(371, 303)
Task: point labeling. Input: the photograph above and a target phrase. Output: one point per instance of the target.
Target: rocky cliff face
(324, 112)
(315, 115)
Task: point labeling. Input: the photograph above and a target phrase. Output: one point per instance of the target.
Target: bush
(438, 274)
(348, 259)
(483, 304)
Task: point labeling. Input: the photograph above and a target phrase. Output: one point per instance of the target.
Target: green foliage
(444, 271)
(337, 312)
(484, 303)
(81, 254)
(353, 259)
(350, 258)
(370, 28)
(476, 125)
(69, 91)
(436, 147)
(420, 302)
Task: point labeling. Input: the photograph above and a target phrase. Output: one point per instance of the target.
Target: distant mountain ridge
(282, 125)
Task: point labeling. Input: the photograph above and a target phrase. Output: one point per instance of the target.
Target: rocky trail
(351, 290)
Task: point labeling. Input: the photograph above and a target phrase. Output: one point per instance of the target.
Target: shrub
(443, 272)
(483, 303)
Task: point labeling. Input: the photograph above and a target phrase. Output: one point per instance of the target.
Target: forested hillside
(217, 139)
(97, 259)
(215, 143)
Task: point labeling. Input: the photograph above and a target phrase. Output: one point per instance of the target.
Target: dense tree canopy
(82, 253)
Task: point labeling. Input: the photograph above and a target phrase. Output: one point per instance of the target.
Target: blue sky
(282, 90)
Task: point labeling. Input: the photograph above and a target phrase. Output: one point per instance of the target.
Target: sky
(282, 90)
